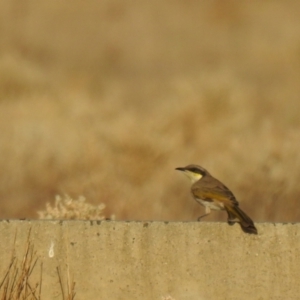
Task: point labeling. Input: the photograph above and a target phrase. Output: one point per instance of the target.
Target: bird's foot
(199, 219)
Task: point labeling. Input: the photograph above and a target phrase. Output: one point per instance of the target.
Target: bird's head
(193, 172)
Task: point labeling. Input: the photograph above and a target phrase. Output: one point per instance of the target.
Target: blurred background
(106, 98)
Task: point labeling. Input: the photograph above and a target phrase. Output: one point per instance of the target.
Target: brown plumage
(213, 194)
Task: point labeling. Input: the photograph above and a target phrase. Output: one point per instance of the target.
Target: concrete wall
(149, 260)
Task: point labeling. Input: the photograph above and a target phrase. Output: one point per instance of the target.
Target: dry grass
(69, 292)
(70, 209)
(106, 100)
(17, 284)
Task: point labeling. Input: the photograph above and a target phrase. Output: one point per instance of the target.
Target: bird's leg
(207, 212)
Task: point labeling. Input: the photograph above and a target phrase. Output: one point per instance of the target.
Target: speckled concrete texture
(152, 260)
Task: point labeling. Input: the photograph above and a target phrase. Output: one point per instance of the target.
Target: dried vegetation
(107, 100)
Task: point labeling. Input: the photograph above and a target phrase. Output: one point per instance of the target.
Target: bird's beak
(180, 169)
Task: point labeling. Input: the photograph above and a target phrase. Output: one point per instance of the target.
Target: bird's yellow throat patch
(193, 176)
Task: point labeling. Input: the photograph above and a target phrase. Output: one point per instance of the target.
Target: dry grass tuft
(68, 208)
(16, 283)
(70, 293)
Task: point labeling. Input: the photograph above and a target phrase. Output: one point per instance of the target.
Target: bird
(214, 195)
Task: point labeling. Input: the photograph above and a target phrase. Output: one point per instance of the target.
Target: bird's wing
(213, 189)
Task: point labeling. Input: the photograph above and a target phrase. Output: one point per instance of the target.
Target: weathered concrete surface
(148, 260)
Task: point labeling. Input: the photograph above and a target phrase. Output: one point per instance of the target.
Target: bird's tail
(235, 214)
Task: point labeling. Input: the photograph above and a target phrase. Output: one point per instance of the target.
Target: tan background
(152, 260)
(104, 99)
